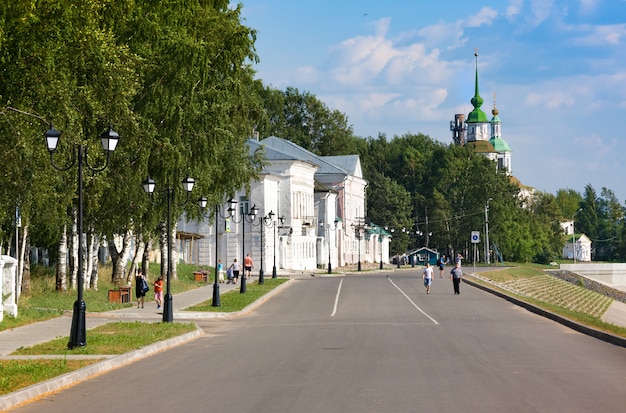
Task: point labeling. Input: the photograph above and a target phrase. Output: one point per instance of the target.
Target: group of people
(456, 275)
(142, 288)
(235, 269)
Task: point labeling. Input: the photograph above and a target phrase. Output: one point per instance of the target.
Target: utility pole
(487, 230)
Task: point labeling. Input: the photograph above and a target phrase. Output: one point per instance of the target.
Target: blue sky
(557, 70)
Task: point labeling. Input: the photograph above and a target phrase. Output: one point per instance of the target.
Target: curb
(601, 335)
(38, 390)
(29, 394)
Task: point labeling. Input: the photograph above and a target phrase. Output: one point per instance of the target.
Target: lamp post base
(78, 334)
(359, 266)
(168, 313)
(261, 277)
(216, 295)
(274, 272)
(242, 288)
(330, 268)
(381, 264)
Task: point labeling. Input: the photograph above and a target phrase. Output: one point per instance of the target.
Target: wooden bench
(201, 276)
(121, 295)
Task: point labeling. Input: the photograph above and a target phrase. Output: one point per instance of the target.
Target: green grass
(530, 284)
(17, 374)
(44, 302)
(233, 300)
(112, 338)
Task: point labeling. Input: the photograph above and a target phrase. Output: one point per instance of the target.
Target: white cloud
(540, 10)
(514, 9)
(610, 35)
(485, 16)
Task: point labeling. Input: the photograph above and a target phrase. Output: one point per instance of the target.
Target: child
(158, 292)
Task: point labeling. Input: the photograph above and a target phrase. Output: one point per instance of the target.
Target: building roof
(482, 146)
(499, 144)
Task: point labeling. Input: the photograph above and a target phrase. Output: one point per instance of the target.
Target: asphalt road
(367, 343)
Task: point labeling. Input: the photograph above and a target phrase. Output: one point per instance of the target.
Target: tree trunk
(136, 256)
(145, 259)
(120, 258)
(61, 273)
(163, 246)
(24, 269)
(93, 268)
(174, 274)
(73, 239)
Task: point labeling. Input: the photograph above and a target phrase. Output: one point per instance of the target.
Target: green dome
(500, 144)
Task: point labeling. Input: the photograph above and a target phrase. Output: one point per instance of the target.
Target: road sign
(475, 237)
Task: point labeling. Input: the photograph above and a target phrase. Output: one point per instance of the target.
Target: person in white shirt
(427, 277)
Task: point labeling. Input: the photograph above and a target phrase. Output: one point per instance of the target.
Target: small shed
(423, 255)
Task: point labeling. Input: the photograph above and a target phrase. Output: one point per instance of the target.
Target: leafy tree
(306, 121)
(568, 202)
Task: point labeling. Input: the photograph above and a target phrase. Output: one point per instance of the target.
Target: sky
(556, 71)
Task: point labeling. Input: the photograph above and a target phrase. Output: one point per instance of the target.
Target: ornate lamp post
(358, 230)
(109, 140)
(282, 221)
(243, 218)
(215, 302)
(149, 185)
(328, 229)
(266, 221)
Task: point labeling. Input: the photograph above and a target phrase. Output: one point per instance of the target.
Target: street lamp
(328, 229)
(266, 221)
(282, 222)
(109, 140)
(149, 185)
(229, 212)
(358, 229)
(243, 218)
(487, 230)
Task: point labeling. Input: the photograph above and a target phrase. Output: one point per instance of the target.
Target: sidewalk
(43, 331)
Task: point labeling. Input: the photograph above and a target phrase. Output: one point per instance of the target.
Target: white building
(321, 200)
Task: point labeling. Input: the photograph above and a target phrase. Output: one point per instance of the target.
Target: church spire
(477, 115)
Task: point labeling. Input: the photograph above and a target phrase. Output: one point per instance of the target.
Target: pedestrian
(427, 277)
(456, 275)
(140, 287)
(158, 292)
(458, 259)
(440, 263)
(220, 271)
(235, 267)
(247, 265)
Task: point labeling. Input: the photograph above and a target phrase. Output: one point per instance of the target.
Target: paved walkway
(43, 331)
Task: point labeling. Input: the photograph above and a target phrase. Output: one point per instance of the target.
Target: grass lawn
(44, 302)
(233, 300)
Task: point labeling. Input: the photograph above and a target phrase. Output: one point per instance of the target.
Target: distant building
(486, 136)
(319, 215)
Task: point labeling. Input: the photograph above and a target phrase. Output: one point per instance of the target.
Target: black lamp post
(328, 229)
(266, 221)
(380, 240)
(229, 212)
(109, 139)
(282, 221)
(243, 218)
(149, 185)
(358, 230)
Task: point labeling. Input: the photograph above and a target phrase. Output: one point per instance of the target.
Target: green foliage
(233, 300)
(113, 338)
(18, 374)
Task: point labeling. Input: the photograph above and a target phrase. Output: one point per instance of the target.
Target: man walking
(456, 275)
(427, 277)
(247, 266)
